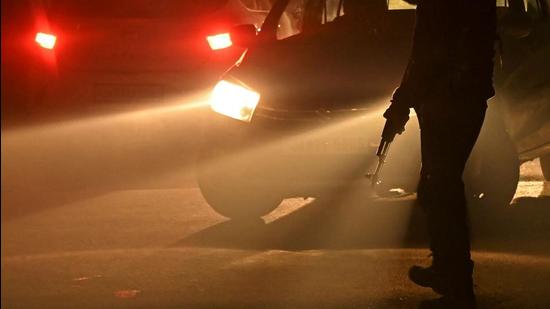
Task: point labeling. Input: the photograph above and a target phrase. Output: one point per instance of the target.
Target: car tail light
(45, 40)
(219, 41)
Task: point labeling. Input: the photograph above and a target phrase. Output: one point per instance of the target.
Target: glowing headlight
(234, 101)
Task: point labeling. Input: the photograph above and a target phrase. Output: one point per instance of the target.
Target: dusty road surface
(91, 218)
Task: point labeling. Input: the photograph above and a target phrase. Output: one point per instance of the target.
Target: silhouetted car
(64, 55)
(302, 116)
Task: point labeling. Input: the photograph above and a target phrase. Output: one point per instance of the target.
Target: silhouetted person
(448, 81)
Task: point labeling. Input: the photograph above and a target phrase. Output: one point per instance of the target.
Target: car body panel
(524, 95)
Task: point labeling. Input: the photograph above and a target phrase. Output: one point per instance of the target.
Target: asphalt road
(166, 248)
(113, 238)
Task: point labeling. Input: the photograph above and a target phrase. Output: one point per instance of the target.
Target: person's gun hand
(396, 119)
(396, 116)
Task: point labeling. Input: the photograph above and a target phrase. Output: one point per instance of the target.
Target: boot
(448, 302)
(428, 277)
(448, 279)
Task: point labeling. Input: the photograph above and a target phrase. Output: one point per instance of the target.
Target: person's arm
(403, 97)
(415, 73)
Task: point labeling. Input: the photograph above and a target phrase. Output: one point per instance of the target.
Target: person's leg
(448, 136)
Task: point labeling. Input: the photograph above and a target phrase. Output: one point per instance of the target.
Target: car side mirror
(244, 35)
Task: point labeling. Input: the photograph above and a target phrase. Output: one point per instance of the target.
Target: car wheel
(545, 166)
(231, 191)
(492, 172)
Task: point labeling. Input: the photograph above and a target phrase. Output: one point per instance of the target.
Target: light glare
(219, 41)
(45, 40)
(234, 101)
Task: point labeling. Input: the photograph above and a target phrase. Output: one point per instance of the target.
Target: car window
(403, 5)
(308, 13)
(399, 5)
(292, 20)
(258, 5)
(302, 14)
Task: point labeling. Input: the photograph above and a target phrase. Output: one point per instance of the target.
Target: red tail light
(45, 40)
(219, 41)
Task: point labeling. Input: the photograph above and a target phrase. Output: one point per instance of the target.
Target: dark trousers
(449, 131)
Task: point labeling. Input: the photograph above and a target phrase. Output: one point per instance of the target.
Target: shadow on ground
(347, 223)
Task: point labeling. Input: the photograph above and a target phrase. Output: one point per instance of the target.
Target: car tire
(230, 192)
(545, 166)
(492, 172)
